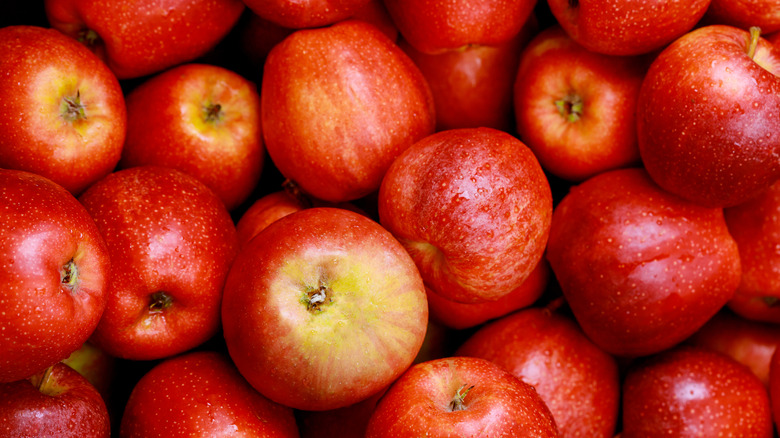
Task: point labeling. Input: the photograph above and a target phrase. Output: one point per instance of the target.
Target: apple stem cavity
(88, 37)
(570, 107)
(159, 301)
(755, 33)
(212, 112)
(458, 401)
(72, 109)
(69, 275)
(315, 298)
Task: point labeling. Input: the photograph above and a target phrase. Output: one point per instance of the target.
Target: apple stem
(72, 109)
(457, 402)
(570, 107)
(213, 112)
(159, 301)
(41, 380)
(755, 33)
(69, 274)
(292, 189)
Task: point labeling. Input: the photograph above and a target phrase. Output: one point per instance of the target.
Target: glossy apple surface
(640, 268)
(171, 243)
(54, 268)
(323, 309)
(298, 14)
(745, 13)
(63, 114)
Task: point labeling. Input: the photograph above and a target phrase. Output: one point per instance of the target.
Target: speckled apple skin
(640, 268)
(299, 14)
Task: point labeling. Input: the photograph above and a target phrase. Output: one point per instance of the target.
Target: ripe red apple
(202, 394)
(338, 105)
(140, 37)
(432, 26)
(54, 271)
(707, 124)
(57, 402)
(640, 268)
(577, 380)
(745, 14)
(694, 392)
(463, 397)
(625, 28)
(203, 120)
(298, 14)
(171, 243)
(473, 208)
(323, 309)
(63, 111)
(576, 109)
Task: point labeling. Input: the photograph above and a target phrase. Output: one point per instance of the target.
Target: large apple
(473, 208)
(63, 112)
(707, 124)
(57, 402)
(203, 120)
(140, 37)
(640, 268)
(460, 397)
(202, 394)
(576, 109)
(338, 105)
(171, 243)
(323, 309)
(54, 272)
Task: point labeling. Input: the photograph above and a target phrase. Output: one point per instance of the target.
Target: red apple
(347, 422)
(54, 270)
(640, 268)
(203, 120)
(265, 211)
(576, 109)
(432, 26)
(463, 397)
(57, 402)
(298, 14)
(473, 208)
(63, 111)
(323, 309)
(171, 243)
(707, 124)
(338, 105)
(745, 14)
(140, 37)
(202, 394)
(774, 387)
(690, 392)
(625, 28)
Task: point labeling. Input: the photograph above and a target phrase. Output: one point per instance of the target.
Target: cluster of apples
(390, 218)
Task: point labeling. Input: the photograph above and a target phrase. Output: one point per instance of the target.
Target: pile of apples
(390, 218)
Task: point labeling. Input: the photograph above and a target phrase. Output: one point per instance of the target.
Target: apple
(707, 124)
(432, 26)
(203, 120)
(694, 392)
(54, 273)
(338, 105)
(63, 113)
(171, 243)
(576, 109)
(460, 396)
(298, 14)
(347, 422)
(56, 402)
(745, 14)
(264, 211)
(640, 268)
(627, 28)
(323, 309)
(201, 393)
(141, 37)
(473, 208)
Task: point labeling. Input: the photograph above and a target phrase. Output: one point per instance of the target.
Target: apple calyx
(72, 109)
(44, 383)
(755, 33)
(458, 400)
(212, 113)
(315, 298)
(570, 107)
(69, 275)
(159, 301)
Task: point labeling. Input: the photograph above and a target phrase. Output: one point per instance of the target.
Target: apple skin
(497, 404)
(299, 14)
(577, 380)
(364, 334)
(210, 398)
(203, 120)
(56, 403)
(171, 243)
(54, 268)
(432, 26)
(347, 422)
(640, 268)
(72, 144)
(265, 211)
(745, 13)
(338, 105)
(707, 124)
(473, 208)
(140, 37)
(629, 27)
(576, 109)
(774, 387)
(694, 392)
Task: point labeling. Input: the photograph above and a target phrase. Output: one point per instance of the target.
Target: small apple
(460, 397)
(54, 272)
(323, 309)
(57, 402)
(171, 243)
(63, 113)
(299, 14)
